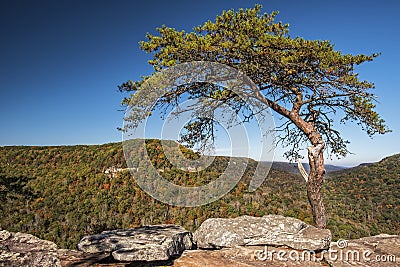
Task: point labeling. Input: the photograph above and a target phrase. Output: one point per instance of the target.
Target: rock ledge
(148, 243)
(272, 230)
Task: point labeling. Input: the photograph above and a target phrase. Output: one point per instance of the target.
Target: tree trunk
(314, 184)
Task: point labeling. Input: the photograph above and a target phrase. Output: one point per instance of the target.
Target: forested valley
(61, 193)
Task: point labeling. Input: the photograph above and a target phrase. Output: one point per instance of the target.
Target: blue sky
(61, 61)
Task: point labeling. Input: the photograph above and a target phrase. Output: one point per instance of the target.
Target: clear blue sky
(61, 61)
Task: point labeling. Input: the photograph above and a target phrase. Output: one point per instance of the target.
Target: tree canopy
(307, 82)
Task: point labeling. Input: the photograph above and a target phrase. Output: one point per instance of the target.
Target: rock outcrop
(148, 243)
(18, 249)
(374, 251)
(244, 241)
(25, 250)
(381, 250)
(272, 230)
(241, 256)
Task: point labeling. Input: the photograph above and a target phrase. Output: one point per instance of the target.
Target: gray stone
(272, 230)
(148, 243)
(245, 256)
(4, 235)
(372, 251)
(18, 249)
(340, 254)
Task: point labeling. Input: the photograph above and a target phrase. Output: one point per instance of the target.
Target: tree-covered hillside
(63, 193)
(367, 196)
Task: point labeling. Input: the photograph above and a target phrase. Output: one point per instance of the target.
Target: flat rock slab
(274, 230)
(374, 251)
(147, 243)
(247, 256)
(18, 249)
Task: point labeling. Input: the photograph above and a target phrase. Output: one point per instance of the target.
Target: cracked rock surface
(19, 249)
(147, 243)
(272, 230)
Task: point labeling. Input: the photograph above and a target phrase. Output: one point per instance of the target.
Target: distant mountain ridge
(292, 167)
